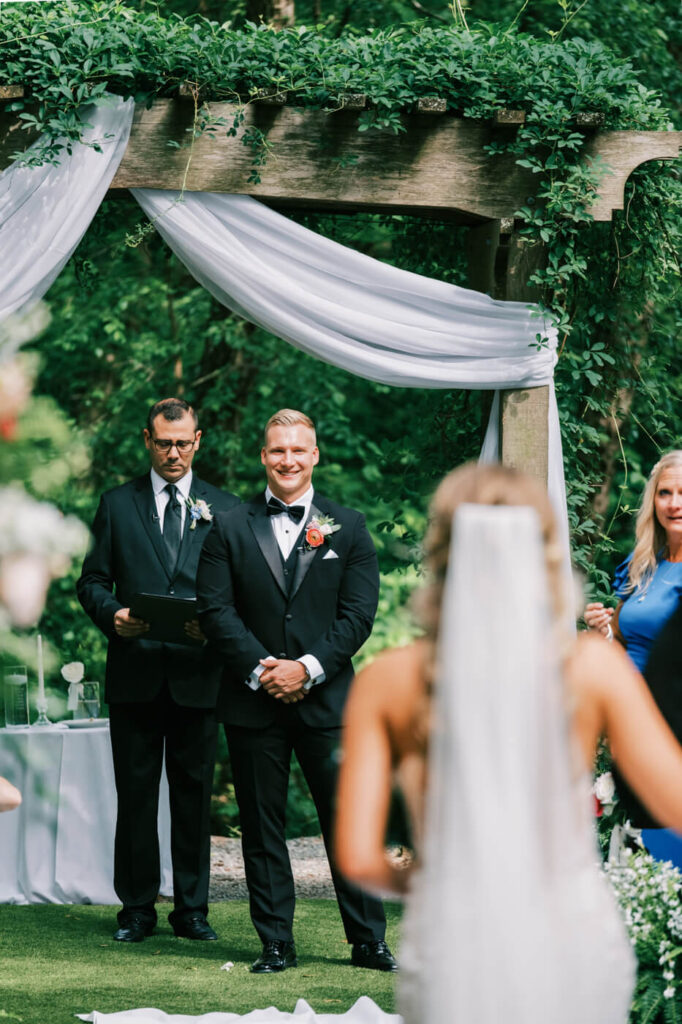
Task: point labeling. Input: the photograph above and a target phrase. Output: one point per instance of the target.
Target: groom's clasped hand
(286, 586)
(281, 679)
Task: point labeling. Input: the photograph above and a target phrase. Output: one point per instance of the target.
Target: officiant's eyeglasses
(164, 446)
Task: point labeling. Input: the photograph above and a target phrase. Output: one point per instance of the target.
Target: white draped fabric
(348, 309)
(46, 210)
(364, 1011)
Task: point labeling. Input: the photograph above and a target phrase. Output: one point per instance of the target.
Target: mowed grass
(56, 961)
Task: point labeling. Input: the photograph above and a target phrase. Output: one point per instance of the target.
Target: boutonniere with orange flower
(317, 531)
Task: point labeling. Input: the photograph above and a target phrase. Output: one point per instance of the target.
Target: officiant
(147, 537)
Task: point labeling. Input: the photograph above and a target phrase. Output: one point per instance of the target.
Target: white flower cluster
(35, 527)
(36, 545)
(649, 894)
(19, 328)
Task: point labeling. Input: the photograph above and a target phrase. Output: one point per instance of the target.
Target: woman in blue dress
(649, 582)
(649, 587)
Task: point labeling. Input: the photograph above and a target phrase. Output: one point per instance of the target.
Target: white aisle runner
(364, 1011)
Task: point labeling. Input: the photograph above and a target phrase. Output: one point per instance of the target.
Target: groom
(287, 590)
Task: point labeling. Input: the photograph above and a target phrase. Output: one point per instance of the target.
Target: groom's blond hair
(288, 418)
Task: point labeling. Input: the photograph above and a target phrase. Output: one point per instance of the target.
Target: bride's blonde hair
(650, 537)
(478, 484)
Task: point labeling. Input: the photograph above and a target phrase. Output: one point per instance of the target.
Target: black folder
(166, 617)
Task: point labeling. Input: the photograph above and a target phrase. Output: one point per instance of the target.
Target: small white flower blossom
(73, 672)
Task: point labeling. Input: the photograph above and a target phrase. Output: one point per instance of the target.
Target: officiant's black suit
(158, 694)
(254, 604)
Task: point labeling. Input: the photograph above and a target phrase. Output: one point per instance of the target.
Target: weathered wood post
(500, 263)
(524, 412)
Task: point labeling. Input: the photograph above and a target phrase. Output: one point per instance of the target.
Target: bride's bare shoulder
(595, 665)
(395, 675)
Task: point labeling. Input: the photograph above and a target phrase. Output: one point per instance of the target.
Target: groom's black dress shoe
(374, 955)
(133, 929)
(195, 927)
(276, 956)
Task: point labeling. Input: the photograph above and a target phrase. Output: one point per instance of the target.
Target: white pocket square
(330, 554)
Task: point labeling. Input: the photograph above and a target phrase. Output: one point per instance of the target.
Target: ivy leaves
(69, 54)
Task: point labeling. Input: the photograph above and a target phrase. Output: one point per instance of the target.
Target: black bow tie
(275, 507)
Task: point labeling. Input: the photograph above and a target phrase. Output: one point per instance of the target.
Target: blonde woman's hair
(287, 418)
(481, 485)
(650, 537)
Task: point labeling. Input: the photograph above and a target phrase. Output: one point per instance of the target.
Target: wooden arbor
(437, 167)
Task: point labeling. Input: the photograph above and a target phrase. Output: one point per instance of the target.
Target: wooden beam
(509, 118)
(11, 92)
(431, 105)
(318, 159)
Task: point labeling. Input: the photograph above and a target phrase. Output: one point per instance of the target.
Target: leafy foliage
(69, 54)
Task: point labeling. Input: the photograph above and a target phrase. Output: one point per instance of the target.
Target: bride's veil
(506, 839)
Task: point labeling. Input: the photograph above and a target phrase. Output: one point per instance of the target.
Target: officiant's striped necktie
(172, 525)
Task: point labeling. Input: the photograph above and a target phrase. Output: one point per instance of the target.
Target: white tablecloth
(58, 847)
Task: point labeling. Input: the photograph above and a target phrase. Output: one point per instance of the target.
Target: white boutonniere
(317, 531)
(198, 509)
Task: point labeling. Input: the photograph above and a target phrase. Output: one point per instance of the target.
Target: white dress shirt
(162, 497)
(286, 533)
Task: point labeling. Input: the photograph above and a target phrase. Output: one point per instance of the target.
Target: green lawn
(56, 961)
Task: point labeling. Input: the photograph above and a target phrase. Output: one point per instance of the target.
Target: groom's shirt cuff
(253, 682)
(315, 671)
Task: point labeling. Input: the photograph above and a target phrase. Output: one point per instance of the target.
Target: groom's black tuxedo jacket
(248, 612)
(128, 556)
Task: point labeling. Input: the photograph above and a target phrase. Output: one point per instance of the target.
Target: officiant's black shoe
(374, 955)
(133, 929)
(195, 926)
(276, 956)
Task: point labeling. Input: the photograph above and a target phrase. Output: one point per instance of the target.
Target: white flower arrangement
(35, 527)
(649, 894)
(36, 545)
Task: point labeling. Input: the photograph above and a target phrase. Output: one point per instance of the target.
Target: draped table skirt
(58, 847)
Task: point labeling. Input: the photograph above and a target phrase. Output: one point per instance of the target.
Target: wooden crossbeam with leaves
(319, 159)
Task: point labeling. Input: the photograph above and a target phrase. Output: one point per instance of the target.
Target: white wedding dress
(510, 920)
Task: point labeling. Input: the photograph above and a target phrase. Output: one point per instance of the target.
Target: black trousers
(140, 735)
(261, 759)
